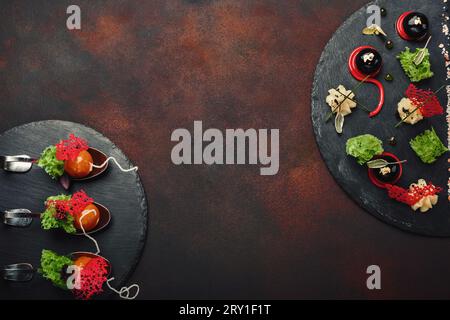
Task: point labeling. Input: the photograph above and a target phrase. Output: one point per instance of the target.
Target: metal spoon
(19, 272)
(18, 164)
(24, 272)
(24, 163)
(23, 218)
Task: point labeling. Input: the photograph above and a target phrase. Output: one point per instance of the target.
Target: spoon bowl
(98, 158)
(22, 218)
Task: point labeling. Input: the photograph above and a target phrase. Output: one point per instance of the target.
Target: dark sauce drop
(389, 44)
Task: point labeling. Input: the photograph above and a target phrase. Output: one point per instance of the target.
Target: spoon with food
(70, 159)
(76, 214)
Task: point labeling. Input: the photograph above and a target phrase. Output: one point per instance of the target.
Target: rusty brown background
(140, 69)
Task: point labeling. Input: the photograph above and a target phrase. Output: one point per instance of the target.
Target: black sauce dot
(383, 12)
(389, 44)
(392, 141)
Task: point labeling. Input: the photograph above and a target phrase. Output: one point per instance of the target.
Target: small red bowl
(401, 30)
(399, 26)
(382, 184)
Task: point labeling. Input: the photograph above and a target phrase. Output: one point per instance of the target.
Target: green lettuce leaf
(48, 220)
(415, 72)
(51, 165)
(428, 146)
(52, 266)
(364, 147)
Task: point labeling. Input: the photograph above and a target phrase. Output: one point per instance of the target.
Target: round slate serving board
(332, 70)
(121, 242)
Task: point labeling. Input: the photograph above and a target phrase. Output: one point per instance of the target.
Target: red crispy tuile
(70, 149)
(425, 100)
(92, 278)
(413, 195)
(74, 206)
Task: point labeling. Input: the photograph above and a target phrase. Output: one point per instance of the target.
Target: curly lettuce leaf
(49, 162)
(364, 147)
(48, 220)
(415, 72)
(52, 266)
(428, 146)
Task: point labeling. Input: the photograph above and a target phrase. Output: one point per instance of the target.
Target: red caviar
(70, 149)
(78, 202)
(413, 195)
(92, 278)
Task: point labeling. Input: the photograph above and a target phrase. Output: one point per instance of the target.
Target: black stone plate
(332, 71)
(121, 242)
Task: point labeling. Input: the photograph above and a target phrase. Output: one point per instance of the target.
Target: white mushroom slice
(405, 107)
(338, 102)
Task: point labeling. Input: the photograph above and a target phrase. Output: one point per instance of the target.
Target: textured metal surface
(122, 193)
(332, 70)
(140, 69)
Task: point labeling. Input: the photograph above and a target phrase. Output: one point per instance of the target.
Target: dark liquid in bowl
(416, 25)
(390, 177)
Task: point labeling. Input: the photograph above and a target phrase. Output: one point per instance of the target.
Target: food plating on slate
(82, 273)
(365, 64)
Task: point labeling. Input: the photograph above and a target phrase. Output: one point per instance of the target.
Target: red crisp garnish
(70, 149)
(426, 100)
(78, 202)
(411, 197)
(92, 278)
(398, 193)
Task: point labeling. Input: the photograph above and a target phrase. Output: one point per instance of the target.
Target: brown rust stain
(139, 70)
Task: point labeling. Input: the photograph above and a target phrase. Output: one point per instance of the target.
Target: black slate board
(121, 242)
(332, 70)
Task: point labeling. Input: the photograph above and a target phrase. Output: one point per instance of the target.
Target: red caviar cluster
(74, 206)
(425, 100)
(413, 195)
(70, 149)
(92, 278)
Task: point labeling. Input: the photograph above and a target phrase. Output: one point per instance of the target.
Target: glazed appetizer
(364, 148)
(364, 64)
(428, 146)
(418, 104)
(92, 272)
(72, 156)
(74, 214)
(413, 26)
(419, 196)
